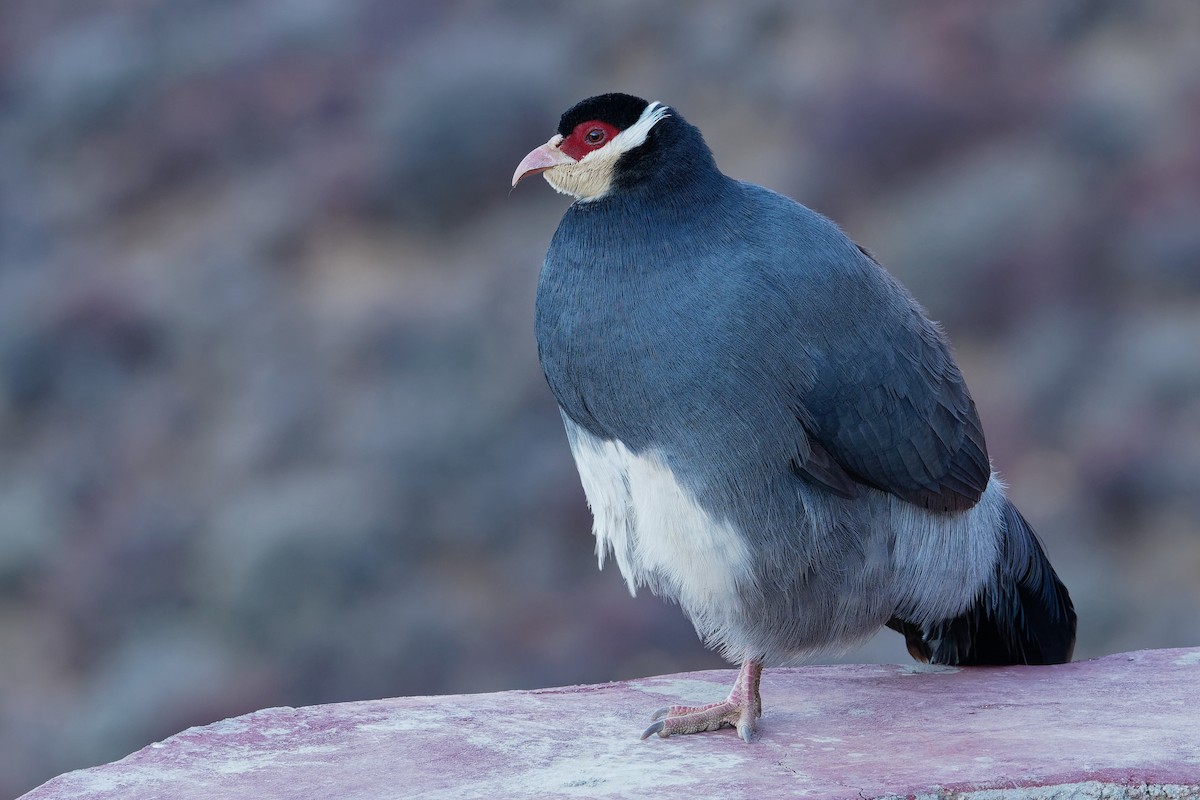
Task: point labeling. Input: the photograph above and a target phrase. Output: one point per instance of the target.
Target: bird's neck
(673, 193)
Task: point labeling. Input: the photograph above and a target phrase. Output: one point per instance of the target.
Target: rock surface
(1121, 726)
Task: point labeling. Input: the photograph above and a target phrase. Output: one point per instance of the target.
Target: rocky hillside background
(272, 429)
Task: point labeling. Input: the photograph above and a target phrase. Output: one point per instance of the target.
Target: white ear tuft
(635, 135)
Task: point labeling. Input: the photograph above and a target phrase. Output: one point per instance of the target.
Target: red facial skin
(587, 136)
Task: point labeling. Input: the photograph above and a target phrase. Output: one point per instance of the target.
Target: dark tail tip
(1026, 617)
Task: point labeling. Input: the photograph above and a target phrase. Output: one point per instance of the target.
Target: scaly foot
(739, 710)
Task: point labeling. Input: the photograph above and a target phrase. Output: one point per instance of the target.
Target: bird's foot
(739, 710)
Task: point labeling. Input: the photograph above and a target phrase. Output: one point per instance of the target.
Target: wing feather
(890, 405)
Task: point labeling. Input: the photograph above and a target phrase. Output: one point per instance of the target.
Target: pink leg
(739, 710)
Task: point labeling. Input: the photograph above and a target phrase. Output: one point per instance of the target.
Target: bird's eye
(594, 136)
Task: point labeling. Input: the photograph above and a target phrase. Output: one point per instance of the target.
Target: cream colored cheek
(586, 180)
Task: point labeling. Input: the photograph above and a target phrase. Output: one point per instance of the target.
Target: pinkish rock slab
(1122, 726)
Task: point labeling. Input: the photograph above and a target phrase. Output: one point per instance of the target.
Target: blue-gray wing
(888, 405)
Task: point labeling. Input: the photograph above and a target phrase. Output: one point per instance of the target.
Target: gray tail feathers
(1025, 617)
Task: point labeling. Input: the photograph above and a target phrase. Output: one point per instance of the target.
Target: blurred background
(272, 428)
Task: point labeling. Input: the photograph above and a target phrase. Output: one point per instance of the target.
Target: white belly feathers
(657, 532)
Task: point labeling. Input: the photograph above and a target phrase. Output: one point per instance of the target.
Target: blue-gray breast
(768, 428)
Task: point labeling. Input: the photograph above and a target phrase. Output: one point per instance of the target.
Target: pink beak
(541, 159)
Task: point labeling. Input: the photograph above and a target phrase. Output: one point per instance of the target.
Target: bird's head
(588, 154)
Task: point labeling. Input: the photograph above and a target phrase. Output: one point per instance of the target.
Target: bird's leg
(739, 710)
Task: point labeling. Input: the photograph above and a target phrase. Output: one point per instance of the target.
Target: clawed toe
(682, 719)
(659, 713)
(654, 728)
(740, 710)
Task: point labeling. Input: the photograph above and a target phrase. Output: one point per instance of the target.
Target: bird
(769, 429)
